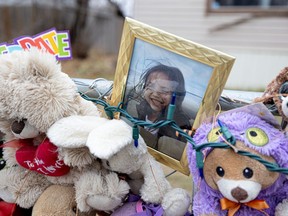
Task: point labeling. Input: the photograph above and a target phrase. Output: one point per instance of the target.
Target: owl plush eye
(257, 136)
(214, 134)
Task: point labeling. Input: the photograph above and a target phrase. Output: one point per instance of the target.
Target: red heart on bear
(42, 159)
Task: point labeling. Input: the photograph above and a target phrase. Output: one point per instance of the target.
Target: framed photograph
(156, 69)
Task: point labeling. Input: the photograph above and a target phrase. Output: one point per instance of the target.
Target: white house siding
(260, 45)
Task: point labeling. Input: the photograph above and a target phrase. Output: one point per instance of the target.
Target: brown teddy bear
(238, 178)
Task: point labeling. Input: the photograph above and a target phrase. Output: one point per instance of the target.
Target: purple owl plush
(232, 183)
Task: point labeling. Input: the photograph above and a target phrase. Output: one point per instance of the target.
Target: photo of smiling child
(155, 89)
(160, 82)
(157, 78)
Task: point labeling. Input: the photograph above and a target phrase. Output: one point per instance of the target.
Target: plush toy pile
(234, 184)
(56, 143)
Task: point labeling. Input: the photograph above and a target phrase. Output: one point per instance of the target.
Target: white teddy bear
(112, 142)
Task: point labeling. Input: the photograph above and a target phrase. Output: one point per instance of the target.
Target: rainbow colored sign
(55, 42)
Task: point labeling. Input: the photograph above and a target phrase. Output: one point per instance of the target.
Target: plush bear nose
(17, 126)
(239, 194)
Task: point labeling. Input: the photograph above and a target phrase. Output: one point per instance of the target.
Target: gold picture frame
(202, 67)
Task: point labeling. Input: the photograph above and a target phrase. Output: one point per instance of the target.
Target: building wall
(259, 44)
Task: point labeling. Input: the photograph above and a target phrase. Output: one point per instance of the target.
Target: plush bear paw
(116, 191)
(6, 195)
(20, 186)
(102, 191)
(176, 202)
(282, 208)
(103, 203)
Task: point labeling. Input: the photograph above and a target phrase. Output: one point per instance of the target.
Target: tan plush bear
(34, 94)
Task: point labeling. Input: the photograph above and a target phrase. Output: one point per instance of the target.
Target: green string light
(110, 110)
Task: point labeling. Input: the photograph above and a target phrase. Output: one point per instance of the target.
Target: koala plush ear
(110, 138)
(73, 131)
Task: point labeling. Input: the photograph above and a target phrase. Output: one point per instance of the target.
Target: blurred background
(253, 31)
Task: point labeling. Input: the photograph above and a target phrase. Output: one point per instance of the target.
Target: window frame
(255, 10)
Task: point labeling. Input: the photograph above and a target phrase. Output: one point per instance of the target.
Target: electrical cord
(110, 110)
